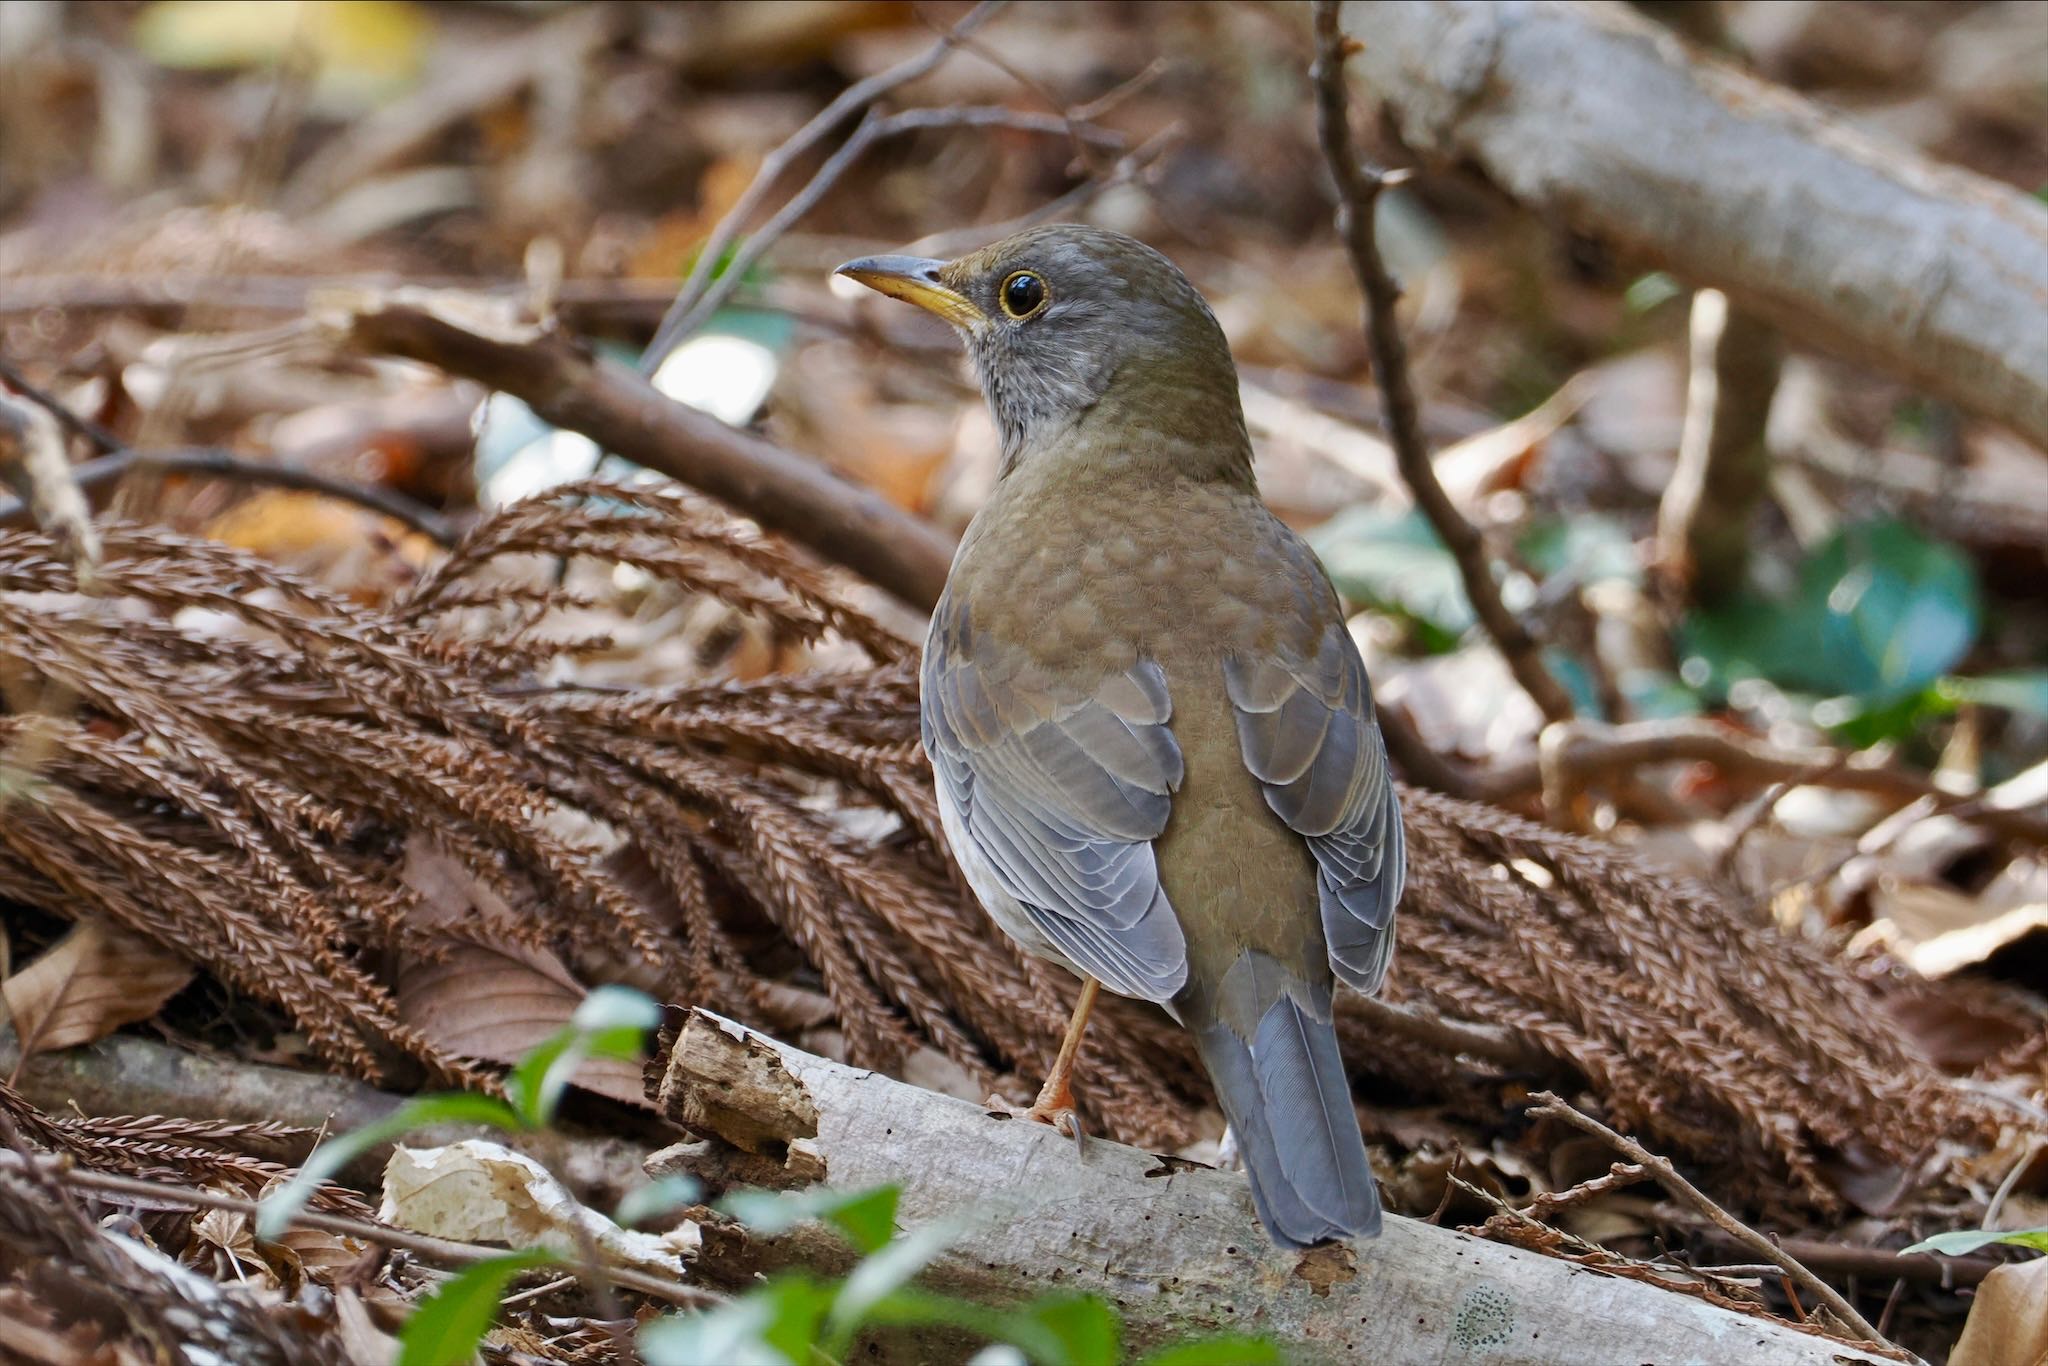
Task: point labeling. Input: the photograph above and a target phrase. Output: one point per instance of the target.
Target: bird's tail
(1289, 1103)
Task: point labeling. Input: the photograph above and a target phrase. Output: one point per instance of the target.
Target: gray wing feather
(1306, 729)
(1062, 797)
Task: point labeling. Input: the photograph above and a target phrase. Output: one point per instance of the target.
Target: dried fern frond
(252, 758)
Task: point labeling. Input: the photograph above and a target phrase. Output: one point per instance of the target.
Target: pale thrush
(1154, 742)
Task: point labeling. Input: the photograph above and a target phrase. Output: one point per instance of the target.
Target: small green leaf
(867, 1218)
(665, 1196)
(1646, 292)
(1969, 1240)
(1222, 1350)
(611, 1022)
(616, 1007)
(1394, 560)
(281, 1206)
(1586, 549)
(2021, 690)
(774, 1325)
(1879, 612)
(450, 1323)
(1087, 1330)
(882, 1273)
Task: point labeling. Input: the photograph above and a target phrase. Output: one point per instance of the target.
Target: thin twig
(850, 101)
(954, 241)
(1551, 1105)
(217, 464)
(785, 492)
(1450, 1036)
(1618, 1174)
(1569, 752)
(873, 129)
(1358, 189)
(118, 461)
(440, 1251)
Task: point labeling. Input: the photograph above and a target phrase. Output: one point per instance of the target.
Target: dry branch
(124, 1075)
(1704, 520)
(1553, 1106)
(109, 470)
(691, 301)
(1575, 752)
(1594, 114)
(1358, 189)
(566, 385)
(117, 1190)
(1177, 1248)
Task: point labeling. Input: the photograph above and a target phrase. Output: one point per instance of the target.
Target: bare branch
(854, 98)
(439, 1251)
(1358, 188)
(109, 470)
(1550, 1105)
(1703, 522)
(1594, 115)
(565, 385)
(1571, 752)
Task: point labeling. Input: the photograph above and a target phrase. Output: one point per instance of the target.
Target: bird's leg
(1055, 1103)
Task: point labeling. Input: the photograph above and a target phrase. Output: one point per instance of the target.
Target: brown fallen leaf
(491, 1001)
(90, 983)
(2008, 1325)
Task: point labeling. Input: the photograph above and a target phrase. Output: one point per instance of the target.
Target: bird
(1153, 739)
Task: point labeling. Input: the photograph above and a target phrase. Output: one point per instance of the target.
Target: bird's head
(1078, 332)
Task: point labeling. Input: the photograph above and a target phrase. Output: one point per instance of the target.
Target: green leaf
(1225, 1349)
(773, 1325)
(881, 1274)
(1895, 609)
(1879, 613)
(1586, 549)
(1393, 560)
(867, 1218)
(665, 1196)
(1646, 292)
(611, 1022)
(281, 1206)
(1969, 1240)
(450, 1323)
(2021, 690)
(1088, 1330)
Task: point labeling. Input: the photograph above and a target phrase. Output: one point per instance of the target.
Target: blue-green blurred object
(1878, 612)
(1391, 559)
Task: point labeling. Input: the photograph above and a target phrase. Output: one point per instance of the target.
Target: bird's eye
(1022, 295)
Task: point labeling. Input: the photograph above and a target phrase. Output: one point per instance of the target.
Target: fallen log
(1172, 1244)
(1595, 115)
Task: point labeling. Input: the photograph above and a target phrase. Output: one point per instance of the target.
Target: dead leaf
(349, 549)
(2008, 1325)
(477, 1191)
(94, 980)
(490, 1001)
(362, 1341)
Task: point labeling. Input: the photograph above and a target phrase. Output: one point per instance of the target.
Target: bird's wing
(1306, 729)
(1061, 791)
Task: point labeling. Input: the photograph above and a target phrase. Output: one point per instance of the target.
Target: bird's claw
(1060, 1117)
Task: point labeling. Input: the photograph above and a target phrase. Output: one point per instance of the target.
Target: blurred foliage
(797, 1318)
(1874, 617)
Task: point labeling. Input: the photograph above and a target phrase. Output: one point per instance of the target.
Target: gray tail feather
(1289, 1103)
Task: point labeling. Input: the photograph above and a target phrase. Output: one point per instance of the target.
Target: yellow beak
(914, 279)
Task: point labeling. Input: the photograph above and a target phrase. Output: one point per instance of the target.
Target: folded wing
(1306, 729)
(1061, 791)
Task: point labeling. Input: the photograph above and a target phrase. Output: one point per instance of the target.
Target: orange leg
(1055, 1103)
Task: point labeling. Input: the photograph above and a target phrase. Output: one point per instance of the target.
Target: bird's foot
(1056, 1110)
